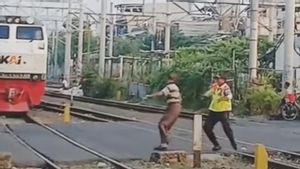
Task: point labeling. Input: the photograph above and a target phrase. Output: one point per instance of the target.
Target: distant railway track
(279, 159)
(123, 105)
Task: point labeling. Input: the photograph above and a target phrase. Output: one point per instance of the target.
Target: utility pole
(111, 39)
(101, 68)
(56, 49)
(289, 41)
(80, 42)
(272, 22)
(111, 31)
(253, 40)
(168, 32)
(52, 67)
(154, 25)
(68, 44)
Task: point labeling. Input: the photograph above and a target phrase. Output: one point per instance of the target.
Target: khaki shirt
(172, 93)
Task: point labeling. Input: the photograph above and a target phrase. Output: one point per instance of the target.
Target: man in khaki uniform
(173, 98)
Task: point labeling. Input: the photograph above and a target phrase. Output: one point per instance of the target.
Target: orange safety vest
(217, 105)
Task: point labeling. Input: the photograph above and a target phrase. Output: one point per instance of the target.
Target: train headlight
(17, 20)
(35, 77)
(30, 20)
(9, 20)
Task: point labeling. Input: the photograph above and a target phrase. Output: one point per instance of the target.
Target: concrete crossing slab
(122, 140)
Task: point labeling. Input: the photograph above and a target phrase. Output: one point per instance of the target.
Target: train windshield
(29, 33)
(4, 32)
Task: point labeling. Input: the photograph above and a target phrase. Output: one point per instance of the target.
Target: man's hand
(147, 97)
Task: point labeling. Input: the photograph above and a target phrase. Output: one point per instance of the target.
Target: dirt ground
(221, 163)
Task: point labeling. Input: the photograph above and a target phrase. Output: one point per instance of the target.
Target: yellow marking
(67, 113)
(261, 157)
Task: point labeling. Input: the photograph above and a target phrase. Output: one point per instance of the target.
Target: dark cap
(216, 77)
(219, 77)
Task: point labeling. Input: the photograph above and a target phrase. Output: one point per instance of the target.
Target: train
(23, 63)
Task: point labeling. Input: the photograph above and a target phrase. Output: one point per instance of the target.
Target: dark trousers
(212, 119)
(168, 120)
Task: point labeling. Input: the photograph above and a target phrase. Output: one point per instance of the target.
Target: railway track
(123, 105)
(278, 159)
(50, 164)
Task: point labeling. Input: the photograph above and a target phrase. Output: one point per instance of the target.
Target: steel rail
(115, 163)
(47, 160)
(137, 107)
(292, 155)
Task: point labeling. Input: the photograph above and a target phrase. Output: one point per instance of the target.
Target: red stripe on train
(20, 95)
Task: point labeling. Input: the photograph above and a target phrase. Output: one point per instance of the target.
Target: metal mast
(80, 41)
(68, 44)
(111, 31)
(289, 40)
(154, 25)
(168, 32)
(253, 39)
(101, 67)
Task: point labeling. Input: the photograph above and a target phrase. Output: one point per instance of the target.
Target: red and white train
(23, 63)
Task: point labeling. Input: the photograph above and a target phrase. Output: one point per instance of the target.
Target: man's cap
(220, 77)
(216, 77)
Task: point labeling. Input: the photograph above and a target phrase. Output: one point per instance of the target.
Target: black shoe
(234, 146)
(216, 148)
(161, 148)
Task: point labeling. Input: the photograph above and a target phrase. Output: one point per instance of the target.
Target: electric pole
(68, 44)
(272, 22)
(253, 39)
(56, 49)
(80, 42)
(111, 39)
(111, 31)
(168, 32)
(154, 25)
(289, 41)
(101, 68)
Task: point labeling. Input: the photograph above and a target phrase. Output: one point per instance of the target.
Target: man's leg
(209, 124)
(227, 129)
(167, 123)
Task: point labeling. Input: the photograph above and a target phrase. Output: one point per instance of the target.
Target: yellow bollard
(261, 157)
(67, 113)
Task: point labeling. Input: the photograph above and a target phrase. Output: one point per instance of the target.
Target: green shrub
(263, 100)
(104, 88)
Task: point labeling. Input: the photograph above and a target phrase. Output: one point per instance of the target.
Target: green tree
(195, 66)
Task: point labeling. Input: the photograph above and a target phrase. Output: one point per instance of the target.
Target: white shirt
(65, 83)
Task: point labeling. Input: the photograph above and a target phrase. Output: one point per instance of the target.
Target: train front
(23, 64)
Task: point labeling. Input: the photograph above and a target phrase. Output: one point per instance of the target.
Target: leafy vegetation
(97, 87)
(263, 99)
(196, 65)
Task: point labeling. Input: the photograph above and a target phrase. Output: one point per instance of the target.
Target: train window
(4, 32)
(29, 33)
